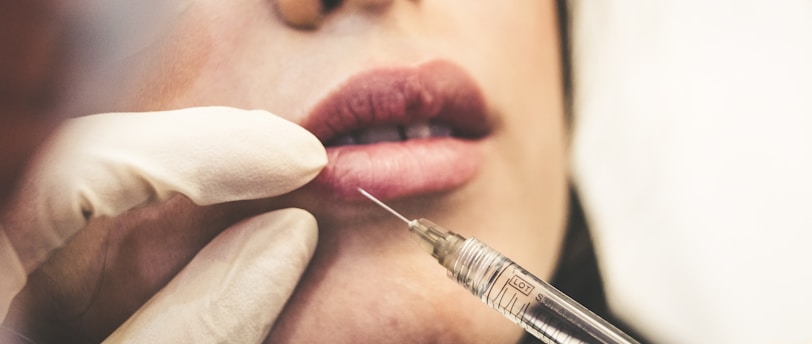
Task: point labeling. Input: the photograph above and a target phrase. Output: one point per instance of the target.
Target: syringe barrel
(535, 305)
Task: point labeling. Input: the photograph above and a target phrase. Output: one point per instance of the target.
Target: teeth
(417, 131)
(423, 130)
(394, 133)
(345, 140)
(379, 134)
(439, 130)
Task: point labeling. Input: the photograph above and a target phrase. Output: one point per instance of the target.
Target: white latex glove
(104, 165)
(233, 290)
(692, 155)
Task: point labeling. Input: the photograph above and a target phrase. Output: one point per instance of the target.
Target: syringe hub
(433, 238)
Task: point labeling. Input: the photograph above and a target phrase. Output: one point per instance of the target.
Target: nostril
(329, 5)
(308, 14)
(301, 14)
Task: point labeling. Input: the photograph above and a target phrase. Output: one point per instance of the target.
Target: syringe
(533, 304)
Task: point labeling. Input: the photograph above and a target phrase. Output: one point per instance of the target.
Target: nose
(308, 14)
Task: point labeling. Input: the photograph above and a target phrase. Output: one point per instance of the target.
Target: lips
(399, 132)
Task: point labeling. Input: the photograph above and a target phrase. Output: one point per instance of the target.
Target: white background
(693, 154)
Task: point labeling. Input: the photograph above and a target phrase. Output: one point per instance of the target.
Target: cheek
(218, 53)
(526, 176)
(173, 66)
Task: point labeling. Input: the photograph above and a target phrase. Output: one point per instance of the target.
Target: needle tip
(378, 202)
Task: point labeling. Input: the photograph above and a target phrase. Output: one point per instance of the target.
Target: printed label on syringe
(512, 294)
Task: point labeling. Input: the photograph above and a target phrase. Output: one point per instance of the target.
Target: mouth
(400, 132)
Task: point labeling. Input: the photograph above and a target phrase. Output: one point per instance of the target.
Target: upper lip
(438, 91)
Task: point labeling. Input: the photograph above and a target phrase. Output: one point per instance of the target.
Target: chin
(359, 291)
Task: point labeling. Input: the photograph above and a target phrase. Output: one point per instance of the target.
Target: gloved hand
(104, 165)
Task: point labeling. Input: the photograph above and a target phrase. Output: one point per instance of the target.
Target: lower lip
(391, 170)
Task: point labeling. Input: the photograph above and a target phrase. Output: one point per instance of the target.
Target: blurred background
(692, 153)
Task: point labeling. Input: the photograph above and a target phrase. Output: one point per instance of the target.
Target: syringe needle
(363, 192)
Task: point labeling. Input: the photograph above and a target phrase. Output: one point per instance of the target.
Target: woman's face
(485, 71)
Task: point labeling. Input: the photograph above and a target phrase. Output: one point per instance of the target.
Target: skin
(368, 281)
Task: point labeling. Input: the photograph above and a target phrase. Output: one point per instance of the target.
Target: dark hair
(565, 51)
(577, 272)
